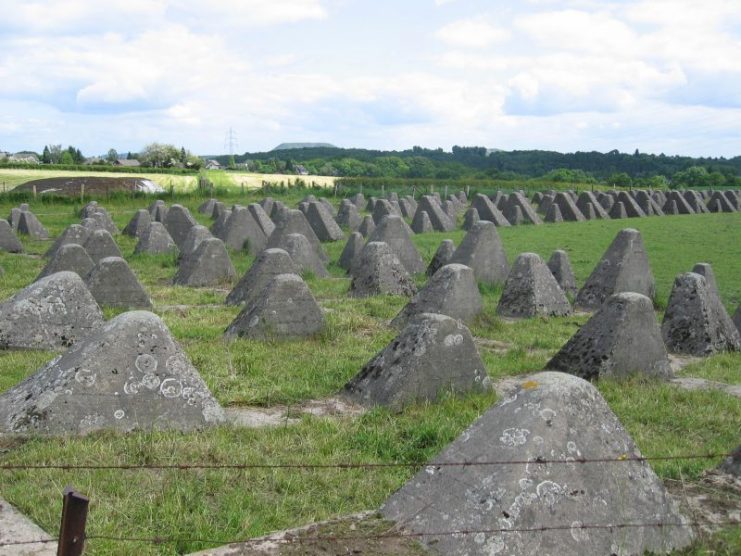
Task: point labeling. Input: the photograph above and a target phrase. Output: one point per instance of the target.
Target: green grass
(238, 504)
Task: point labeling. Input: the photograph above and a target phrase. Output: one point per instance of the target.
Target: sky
(563, 75)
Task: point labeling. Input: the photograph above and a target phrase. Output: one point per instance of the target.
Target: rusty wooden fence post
(74, 517)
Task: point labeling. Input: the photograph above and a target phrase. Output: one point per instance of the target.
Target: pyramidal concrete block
(695, 321)
(432, 355)
(268, 264)
(451, 291)
(620, 339)
(52, 313)
(623, 268)
(550, 416)
(128, 375)
(285, 309)
(531, 290)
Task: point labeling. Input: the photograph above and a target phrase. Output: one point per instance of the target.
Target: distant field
(12, 177)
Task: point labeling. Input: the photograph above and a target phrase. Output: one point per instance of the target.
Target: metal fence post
(74, 518)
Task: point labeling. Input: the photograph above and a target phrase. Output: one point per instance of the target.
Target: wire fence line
(346, 465)
(398, 534)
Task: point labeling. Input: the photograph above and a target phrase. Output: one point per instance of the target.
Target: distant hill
(291, 146)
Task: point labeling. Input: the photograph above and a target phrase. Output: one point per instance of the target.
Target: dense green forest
(613, 168)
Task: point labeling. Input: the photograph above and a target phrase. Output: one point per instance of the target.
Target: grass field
(231, 504)
(11, 177)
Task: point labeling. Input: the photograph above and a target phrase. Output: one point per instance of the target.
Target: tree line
(612, 168)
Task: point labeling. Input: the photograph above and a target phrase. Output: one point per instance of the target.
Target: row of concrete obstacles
(104, 382)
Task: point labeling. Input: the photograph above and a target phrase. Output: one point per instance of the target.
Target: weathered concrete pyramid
(648, 204)
(421, 223)
(128, 375)
(695, 321)
(451, 291)
(719, 203)
(358, 200)
(623, 268)
(100, 244)
(178, 222)
(15, 215)
(352, 249)
(322, 222)
(113, 283)
(267, 205)
(587, 198)
(514, 215)
(70, 257)
(242, 231)
(366, 226)
(470, 218)
(294, 222)
(618, 211)
(208, 266)
(441, 222)
(29, 225)
(694, 199)
(53, 312)
(706, 270)
(383, 208)
(441, 257)
(432, 355)
(488, 210)
(348, 215)
(631, 206)
(393, 231)
(531, 290)
(378, 271)
(267, 266)
(102, 219)
(262, 219)
(138, 224)
(8, 240)
(671, 208)
(569, 211)
(560, 266)
(408, 207)
(528, 212)
(219, 225)
(284, 309)
(155, 241)
(451, 209)
(195, 236)
(74, 233)
(551, 416)
(682, 206)
(621, 338)
(303, 255)
(276, 213)
(553, 215)
(207, 207)
(482, 250)
(153, 206)
(219, 207)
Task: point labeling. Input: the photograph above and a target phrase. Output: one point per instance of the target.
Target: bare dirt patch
(279, 415)
(713, 502)
(366, 534)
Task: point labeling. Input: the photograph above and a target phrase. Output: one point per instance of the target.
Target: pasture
(182, 506)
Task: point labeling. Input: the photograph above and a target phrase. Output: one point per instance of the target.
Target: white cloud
(472, 33)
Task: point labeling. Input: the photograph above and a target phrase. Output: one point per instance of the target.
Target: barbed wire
(383, 536)
(346, 465)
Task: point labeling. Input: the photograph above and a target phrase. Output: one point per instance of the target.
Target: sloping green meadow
(233, 504)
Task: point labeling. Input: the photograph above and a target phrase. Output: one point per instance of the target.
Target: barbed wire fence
(72, 534)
